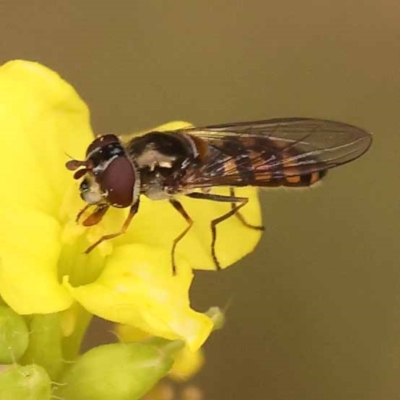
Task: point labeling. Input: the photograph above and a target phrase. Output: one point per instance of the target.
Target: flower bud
(45, 344)
(217, 316)
(14, 335)
(29, 382)
(118, 371)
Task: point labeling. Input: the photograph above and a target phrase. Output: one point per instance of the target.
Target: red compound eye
(118, 181)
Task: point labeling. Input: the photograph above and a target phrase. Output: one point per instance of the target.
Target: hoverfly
(290, 152)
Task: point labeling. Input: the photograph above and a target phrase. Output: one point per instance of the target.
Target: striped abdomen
(258, 163)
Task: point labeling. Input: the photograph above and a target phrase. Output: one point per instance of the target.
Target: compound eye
(118, 182)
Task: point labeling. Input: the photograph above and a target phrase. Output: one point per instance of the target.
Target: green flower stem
(29, 382)
(71, 344)
(45, 344)
(14, 336)
(118, 371)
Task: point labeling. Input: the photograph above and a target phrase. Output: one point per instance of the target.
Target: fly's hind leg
(237, 204)
(240, 216)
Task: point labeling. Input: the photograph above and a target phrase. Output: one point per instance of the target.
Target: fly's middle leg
(178, 206)
(241, 217)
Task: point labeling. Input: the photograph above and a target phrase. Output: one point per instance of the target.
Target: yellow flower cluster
(43, 268)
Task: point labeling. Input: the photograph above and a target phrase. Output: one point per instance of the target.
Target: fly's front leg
(237, 204)
(240, 216)
(125, 226)
(178, 206)
(81, 212)
(95, 217)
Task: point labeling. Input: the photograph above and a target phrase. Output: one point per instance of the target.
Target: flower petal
(137, 288)
(28, 261)
(158, 223)
(41, 119)
(187, 364)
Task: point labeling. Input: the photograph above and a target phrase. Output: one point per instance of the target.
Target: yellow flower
(43, 268)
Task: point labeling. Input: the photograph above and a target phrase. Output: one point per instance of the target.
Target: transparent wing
(256, 153)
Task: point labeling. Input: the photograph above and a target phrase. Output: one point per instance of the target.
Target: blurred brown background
(316, 308)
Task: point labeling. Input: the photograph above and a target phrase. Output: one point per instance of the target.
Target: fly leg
(237, 204)
(178, 207)
(95, 217)
(125, 226)
(80, 213)
(240, 216)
